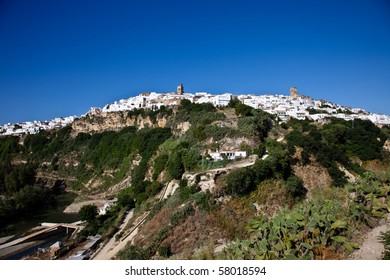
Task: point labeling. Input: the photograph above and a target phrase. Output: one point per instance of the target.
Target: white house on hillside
(230, 155)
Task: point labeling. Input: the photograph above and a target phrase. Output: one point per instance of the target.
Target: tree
(243, 110)
(125, 199)
(88, 213)
(175, 165)
(295, 188)
(240, 182)
(199, 133)
(191, 159)
(234, 101)
(262, 170)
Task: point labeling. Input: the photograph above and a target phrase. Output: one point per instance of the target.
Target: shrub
(88, 213)
(179, 216)
(234, 101)
(125, 199)
(165, 251)
(175, 165)
(338, 176)
(133, 252)
(262, 170)
(25, 202)
(191, 159)
(243, 110)
(240, 182)
(185, 191)
(295, 188)
(295, 138)
(205, 201)
(385, 239)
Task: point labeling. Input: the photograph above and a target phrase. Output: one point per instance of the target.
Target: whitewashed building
(230, 155)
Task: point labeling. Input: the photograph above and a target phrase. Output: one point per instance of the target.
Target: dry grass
(313, 175)
(148, 230)
(198, 230)
(323, 252)
(233, 217)
(271, 197)
(380, 168)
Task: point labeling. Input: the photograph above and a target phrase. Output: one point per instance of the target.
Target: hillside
(230, 182)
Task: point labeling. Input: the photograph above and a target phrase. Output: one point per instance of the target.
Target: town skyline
(284, 107)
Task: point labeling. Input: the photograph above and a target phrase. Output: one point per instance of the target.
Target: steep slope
(179, 168)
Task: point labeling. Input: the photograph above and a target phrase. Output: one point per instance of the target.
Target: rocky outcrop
(171, 188)
(182, 128)
(104, 121)
(313, 175)
(231, 144)
(206, 181)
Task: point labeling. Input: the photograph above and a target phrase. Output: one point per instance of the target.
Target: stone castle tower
(180, 89)
(293, 92)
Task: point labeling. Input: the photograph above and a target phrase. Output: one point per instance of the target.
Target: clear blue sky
(58, 58)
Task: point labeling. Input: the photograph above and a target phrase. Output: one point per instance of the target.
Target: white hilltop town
(285, 107)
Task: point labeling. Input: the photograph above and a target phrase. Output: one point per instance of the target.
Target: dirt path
(251, 160)
(110, 249)
(372, 249)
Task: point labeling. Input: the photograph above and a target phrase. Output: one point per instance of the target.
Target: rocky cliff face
(113, 121)
(313, 175)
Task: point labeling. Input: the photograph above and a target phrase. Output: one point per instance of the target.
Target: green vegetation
(175, 166)
(24, 202)
(257, 125)
(146, 142)
(105, 225)
(105, 155)
(21, 194)
(240, 182)
(335, 143)
(16, 178)
(9, 146)
(88, 213)
(309, 230)
(276, 166)
(313, 111)
(197, 114)
(152, 114)
(321, 226)
(295, 188)
(180, 215)
(243, 110)
(370, 200)
(159, 165)
(385, 239)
